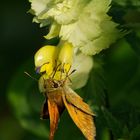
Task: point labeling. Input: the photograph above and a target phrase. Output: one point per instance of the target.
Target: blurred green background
(113, 89)
(19, 40)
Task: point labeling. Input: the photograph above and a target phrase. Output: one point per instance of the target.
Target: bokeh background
(113, 89)
(19, 40)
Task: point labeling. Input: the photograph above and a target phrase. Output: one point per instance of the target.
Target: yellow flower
(45, 59)
(54, 61)
(66, 56)
(58, 62)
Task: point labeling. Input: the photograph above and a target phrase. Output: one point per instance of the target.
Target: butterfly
(58, 96)
(58, 93)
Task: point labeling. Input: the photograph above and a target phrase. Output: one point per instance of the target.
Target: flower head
(84, 23)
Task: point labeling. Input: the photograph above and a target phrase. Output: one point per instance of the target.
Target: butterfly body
(59, 96)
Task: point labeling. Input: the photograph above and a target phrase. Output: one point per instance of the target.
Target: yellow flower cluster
(54, 61)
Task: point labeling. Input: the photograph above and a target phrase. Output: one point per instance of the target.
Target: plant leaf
(95, 89)
(135, 134)
(112, 123)
(134, 41)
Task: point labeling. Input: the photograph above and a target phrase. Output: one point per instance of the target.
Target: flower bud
(45, 59)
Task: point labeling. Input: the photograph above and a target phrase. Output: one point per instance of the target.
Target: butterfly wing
(44, 110)
(54, 117)
(55, 107)
(74, 99)
(83, 120)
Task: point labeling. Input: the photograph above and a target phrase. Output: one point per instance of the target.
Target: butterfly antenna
(55, 70)
(72, 72)
(30, 76)
(68, 74)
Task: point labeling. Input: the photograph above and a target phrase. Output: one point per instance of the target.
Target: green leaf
(129, 3)
(96, 86)
(126, 133)
(112, 123)
(135, 134)
(134, 41)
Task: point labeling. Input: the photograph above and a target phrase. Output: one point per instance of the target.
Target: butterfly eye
(55, 85)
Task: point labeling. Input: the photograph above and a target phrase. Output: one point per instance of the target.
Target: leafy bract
(108, 36)
(84, 23)
(54, 31)
(65, 12)
(93, 31)
(38, 6)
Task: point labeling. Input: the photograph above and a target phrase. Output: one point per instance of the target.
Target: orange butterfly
(60, 96)
(54, 63)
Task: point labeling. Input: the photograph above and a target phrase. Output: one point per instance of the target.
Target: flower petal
(83, 65)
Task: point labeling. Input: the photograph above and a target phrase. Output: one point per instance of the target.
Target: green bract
(84, 23)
